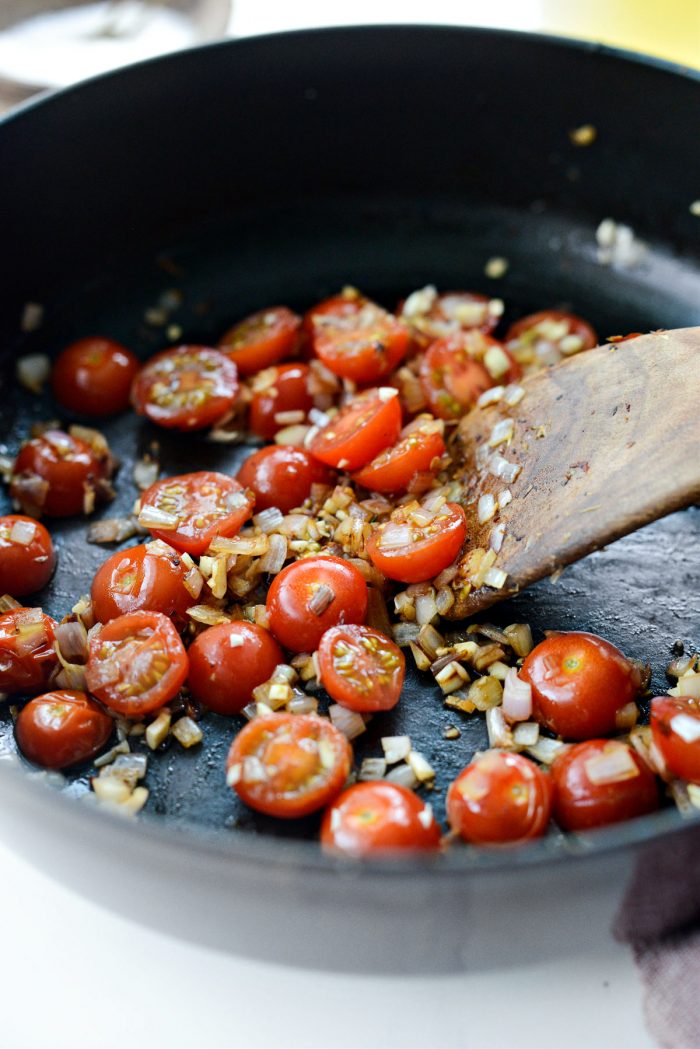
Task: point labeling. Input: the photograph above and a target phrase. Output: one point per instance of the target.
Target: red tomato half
(431, 316)
(276, 392)
(27, 655)
(452, 375)
(288, 765)
(137, 663)
(675, 727)
(186, 388)
(545, 337)
(371, 818)
(416, 451)
(361, 668)
(94, 376)
(63, 728)
(500, 799)
(368, 424)
(262, 339)
(188, 511)
(416, 544)
(310, 596)
(580, 683)
(148, 578)
(599, 782)
(281, 475)
(27, 557)
(228, 661)
(53, 474)
(357, 339)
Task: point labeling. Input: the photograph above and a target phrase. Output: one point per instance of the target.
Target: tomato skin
(140, 579)
(25, 568)
(581, 804)
(451, 377)
(27, 654)
(186, 388)
(262, 339)
(682, 757)
(292, 623)
(579, 684)
(281, 475)
(362, 429)
(393, 469)
(67, 465)
(291, 777)
(357, 339)
(449, 313)
(206, 503)
(62, 728)
(378, 818)
(93, 376)
(431, 549)
(223, 677)
(361, 668)
(534, 340)
(143, 651)
(288, 392)
(500, 799)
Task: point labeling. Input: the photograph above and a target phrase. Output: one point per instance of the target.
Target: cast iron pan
(278, 169)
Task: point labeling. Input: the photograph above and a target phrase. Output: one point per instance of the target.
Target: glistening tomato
(148, 578)
(432, 316)
(363, 344)
(282, 475)
(27, 655)
(190, 510)
(452, 376)
(27, 557)
(361, 668)
(417, 450)
(228, 661)
(547, 336)
(277, 392)
(186, 388)
(262, 339)
(55, 474)
(416, 543)
(500, 799)
(675, 727)
(363, 428)
(599, 782)
(62, 728)
(310, 596)
(288, 765)
(94, 376)
(374, 818)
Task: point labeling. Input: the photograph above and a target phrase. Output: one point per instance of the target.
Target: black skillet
(278, 169)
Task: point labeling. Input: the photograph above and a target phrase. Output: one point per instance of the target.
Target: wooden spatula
(607, 442)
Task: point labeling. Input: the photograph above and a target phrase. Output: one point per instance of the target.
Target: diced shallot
(517, 697)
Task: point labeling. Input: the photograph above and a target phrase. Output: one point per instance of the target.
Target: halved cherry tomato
(27, 556)
(55, 474)
(310, 596)
(338, 311)
(189, 510)
(262, 339)
(452, 375)
(288, 765)
(363, 428)
(94, 376)
(416, 450)
(371, 818)
(27, 654)
(416, 544)
(580, 684)
(675, 728)
(228, 661)
(137, 663)
(361, 668)
(148, 578)
(281, 475)
(186, 388)
(278, 391)
(599, 782)
(545, 337)
(433, 316)
(357, 339)
(500, 799)
(62, 728)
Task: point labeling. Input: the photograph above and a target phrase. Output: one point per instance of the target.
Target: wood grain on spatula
(608, 441)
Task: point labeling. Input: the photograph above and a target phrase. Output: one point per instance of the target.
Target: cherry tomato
(277, 391)
(188, 511)
(431, 316)
(547, 336)
(186, 388)
(599, 782)
(262, 339)
(416, 544)
(361, 341)
(281, 475)
(500, 799)
(147, 578)
(361, 668)
(580, 683)
(675, 728)
(228, 661)
(94, 376)
(137, 663)
(452, 377)
(27, 655)
(55, 474)
(419, 445)
(310, 596)
(27, 557)
(288, 765)
(368, 424)
(62, 728)
(338, 311)
(371, 818)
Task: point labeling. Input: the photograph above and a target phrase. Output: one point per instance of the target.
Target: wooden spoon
(607, 442)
